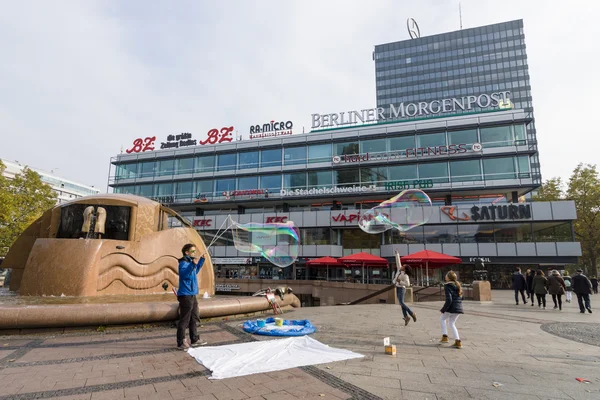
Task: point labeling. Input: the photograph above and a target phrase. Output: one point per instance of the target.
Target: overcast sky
(81, 79)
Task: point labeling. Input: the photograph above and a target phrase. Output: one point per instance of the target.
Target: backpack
(568, 283)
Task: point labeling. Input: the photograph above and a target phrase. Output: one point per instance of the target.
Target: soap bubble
(277, 242)
(403, 212)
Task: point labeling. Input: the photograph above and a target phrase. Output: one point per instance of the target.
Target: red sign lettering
(139, 145)
(203, 222)
(276, 220)
(346, 218)
(215, 137)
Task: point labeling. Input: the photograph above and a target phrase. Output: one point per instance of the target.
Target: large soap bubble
(403, 212)
(277, 242)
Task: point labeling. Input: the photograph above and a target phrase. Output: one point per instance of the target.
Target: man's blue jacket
(188, 281)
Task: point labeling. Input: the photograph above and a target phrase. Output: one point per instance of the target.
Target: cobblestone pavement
(503, 343)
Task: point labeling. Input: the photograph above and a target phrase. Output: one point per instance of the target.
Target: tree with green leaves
(551, 190)
(23, 199)
(584, 189)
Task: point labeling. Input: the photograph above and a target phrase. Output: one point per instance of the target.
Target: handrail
(370, 295)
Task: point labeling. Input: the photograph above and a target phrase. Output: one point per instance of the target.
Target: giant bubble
(409, 209)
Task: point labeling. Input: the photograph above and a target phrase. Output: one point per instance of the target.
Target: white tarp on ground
(266, 356)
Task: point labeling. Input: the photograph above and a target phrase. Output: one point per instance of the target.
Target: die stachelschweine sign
(403, 110)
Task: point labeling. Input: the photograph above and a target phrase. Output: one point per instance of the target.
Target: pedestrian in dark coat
(594, 281)
(582, 288)
(519, 284)
(556, 287)
(540, 287)
(529, 279)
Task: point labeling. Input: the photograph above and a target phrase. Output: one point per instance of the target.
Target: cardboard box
(391, 350)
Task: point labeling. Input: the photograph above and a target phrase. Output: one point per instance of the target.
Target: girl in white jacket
(402, 281)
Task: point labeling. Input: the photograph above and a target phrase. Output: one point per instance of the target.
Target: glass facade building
(471, 61)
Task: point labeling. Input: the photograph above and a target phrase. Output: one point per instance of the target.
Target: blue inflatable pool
(289, 328)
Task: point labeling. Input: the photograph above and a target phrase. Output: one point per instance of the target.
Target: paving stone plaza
(510, 352)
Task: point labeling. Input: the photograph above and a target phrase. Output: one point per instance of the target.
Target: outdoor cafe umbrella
(431, 259)
(363, 259)
(324, 261)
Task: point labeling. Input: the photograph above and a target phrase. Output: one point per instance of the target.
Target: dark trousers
(541, 298)
(531, 295)
(405, 310)
(188, 315)
(583, 298)
(522, 295)
(559, 298)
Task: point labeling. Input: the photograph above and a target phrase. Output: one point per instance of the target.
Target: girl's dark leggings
(554, 297)
(541, 298)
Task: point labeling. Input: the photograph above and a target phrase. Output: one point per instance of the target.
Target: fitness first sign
(403, 110)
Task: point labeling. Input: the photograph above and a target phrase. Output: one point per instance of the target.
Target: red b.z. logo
(203, 222)
(276, 220)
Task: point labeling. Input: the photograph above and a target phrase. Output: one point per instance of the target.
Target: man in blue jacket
(519, 284)
(189, 267)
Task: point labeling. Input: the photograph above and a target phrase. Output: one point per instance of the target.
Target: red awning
(363, 258)
(324, 262)
(432, 258)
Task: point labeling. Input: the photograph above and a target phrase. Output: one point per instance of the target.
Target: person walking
(540, 287)
(569, 287)
(556, 287)
(402, 281)
(582, 288)
(594, 281)
(189, 267)
(519, 284)
(529, 279)
(452, 309)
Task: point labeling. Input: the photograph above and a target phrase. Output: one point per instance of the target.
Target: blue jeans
(405, 310)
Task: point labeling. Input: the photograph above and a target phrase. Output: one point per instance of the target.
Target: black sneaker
(589, 310)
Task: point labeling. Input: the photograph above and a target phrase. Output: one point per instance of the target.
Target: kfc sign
(203, 223)
(276, 220)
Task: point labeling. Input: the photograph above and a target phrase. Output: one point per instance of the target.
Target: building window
(319, 179)
(340, 149)
(146, 190)
(204, 188)
(437, 172)
(431, 140)
(373, 146)
(147, 169)
(465, 170)
(247, 183)
(552, 232)
(440, 234)
(402, 143)
(126, 171)
(296, 180)
(226, 162)
(271, 182)
(225, 185)
(164, 189)
(185, 190)
(512, 233)
(519, 135)
(475, 233)
(497, 136)
(270, 158)
(248, 159)
(403, 172)
(347, 177)
(316, 236)
(463, 137)
(294, 155)
(369, 176)
(166, 167)
(185, 165)
(205, 163)
(499, 168)
(319, 153)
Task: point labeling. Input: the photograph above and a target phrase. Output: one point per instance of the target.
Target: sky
(81, 80)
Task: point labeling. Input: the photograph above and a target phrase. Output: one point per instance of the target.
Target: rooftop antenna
(460, 14)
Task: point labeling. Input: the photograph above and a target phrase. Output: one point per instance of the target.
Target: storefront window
(248, 159)
(319, 153)
(402, 143)
(294, 155)
(225, 185)
(509, 233)
(270, 158)
(370, 176)
(185, 165)
(167, 167)
(403, 172)
(465, 170)
(347, 177)
(499, 168)
(296, 180)
(497, 136)
(438, 172)
(247, 183)
(146, 190)
(340, 149)
(226, 162)
(147, 169)
(373, 146)
(552, 232)
(440, 234)
(317, 236)
(271, 182)
(185, 190)
(318, 179)
(205, 163)
(431, 140)
(463, 137)
(357, 239)
(476, 233)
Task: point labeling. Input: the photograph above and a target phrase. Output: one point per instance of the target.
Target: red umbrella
(324, 262)
(363, 258)
(429, 258)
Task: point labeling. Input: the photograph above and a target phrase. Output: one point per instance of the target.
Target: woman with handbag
(540, 287)
(556, 287)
